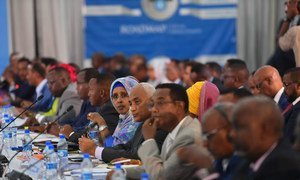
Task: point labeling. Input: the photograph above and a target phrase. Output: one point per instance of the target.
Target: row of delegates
(169, 108)
(64, 90)
(126, 127)
(226, 130)
(80, 122)
(98, 94)
(138, 100)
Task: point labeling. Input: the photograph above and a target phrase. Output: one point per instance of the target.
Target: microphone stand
(3, 159)
(51, 123)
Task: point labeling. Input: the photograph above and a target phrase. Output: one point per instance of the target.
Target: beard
(292, 97)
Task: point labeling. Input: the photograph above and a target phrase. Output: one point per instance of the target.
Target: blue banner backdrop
(4, 44)
(180, 29)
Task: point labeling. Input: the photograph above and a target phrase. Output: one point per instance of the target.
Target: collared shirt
(38, 89)
(278, 95)
(172, 135)
(255, 166)
(296, 101)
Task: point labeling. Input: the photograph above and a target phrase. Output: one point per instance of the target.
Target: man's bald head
(268, 81)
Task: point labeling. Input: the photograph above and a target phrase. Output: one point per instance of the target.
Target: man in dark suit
(257, 135)
(269, 83)
(291, 83)
(200, 72)
(138, 98)
(36, 77)
(82, 86)
(99, 96)
(21, 88)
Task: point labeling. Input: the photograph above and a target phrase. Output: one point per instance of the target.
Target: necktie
(289, 107)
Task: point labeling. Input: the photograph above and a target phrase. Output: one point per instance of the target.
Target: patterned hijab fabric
(202, 95)
(126, 126)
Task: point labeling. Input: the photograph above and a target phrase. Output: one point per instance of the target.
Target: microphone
(64, 113)
(26, 109)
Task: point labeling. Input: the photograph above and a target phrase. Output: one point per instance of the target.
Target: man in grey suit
(169, 109)
(60, 85)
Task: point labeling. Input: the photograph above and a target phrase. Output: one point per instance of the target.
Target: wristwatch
(101, 128)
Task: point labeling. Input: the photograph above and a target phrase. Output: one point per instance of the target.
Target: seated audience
(169, 109)
(269, 83)
(200, 72)
(202, 96)
(138, 99)
(82, 86)
(257, 135)
(291, 83)
(106, 116)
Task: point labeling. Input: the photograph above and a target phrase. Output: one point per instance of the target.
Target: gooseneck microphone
(26, 109)
(16, 174)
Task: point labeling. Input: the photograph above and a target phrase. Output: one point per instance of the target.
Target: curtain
(258, 23)
(59, 29)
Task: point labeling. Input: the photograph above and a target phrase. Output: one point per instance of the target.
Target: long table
(99, 171)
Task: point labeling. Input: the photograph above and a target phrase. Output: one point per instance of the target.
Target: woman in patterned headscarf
(119, 95)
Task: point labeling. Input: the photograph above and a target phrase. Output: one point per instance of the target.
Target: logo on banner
(160, 10)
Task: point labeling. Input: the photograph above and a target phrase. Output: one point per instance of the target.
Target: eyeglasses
(117, 96)
(208, 135)
(158, 104)
(288, 84)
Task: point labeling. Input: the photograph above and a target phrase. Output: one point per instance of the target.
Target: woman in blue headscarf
(119, 96)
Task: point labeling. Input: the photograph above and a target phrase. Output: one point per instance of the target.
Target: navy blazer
(290, 120)
(109, 114)
(80, 122)
(282, 163)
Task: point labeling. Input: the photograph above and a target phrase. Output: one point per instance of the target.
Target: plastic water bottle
(119, 173)
(62, 151)
(14, 130)
(27, 145)
(7, 134)
(144, 176)
(86, 168)
(94, 136)
(46, 151)
(51, 165)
